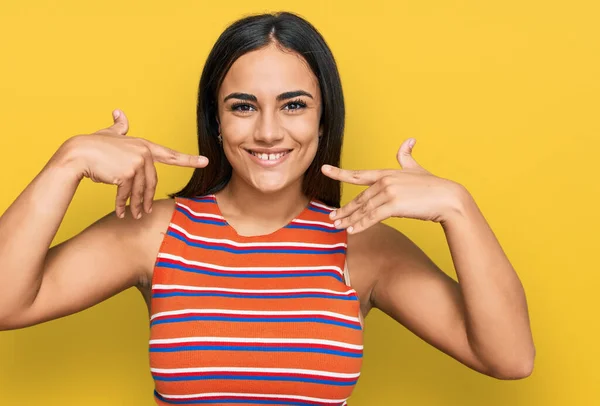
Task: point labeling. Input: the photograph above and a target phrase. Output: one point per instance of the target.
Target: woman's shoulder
(374, 238)
(162, 209)
(154, 226)
(376, 247)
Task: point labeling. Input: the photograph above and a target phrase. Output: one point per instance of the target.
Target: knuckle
(151, 183)
(365, 207)
(145, 152)
(386, 181)
(171, 155)
(389, 191)
(355, 174)
(138, 160)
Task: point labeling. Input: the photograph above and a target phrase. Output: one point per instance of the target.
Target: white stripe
(257, 313)
(234, 395)
(214, 216)
(256, 340)
(258, 244)
(323, 206)
(261, 370)
(202, 289)
(318, 223)
(251, 269)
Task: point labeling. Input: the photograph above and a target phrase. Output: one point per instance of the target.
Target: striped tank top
(253, 320)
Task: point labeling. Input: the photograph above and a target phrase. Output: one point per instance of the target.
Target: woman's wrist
(67, 162)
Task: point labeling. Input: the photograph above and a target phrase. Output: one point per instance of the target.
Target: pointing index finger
(356, 177)
(171, 157)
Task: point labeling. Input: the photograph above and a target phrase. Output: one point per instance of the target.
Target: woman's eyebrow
(282, 96)
(241, 96)
(292, 94)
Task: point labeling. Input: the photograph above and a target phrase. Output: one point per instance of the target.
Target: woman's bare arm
(38, 283)
(410, 288)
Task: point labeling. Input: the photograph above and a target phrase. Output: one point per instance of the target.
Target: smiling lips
(269, 157)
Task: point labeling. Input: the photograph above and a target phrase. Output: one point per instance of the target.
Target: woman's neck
(239, 201)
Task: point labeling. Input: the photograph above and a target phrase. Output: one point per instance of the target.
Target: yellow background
(502, 97)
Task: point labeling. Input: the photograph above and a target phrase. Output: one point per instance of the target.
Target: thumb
(121, 124)
(404, 156)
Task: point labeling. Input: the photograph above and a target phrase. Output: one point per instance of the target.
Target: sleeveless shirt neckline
(269, 235)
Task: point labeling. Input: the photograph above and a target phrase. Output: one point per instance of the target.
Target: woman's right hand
(109, 156)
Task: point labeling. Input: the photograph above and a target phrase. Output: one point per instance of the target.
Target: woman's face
(269, 111)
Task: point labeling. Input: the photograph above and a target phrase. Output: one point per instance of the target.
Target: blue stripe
(244, 296)
(195, 220)
(203, 200)
(249, 274)
(255, 320)
(318, 210)
(273, 250)
(316, 228)
(253, 378)
(235, 400)
(255, 348)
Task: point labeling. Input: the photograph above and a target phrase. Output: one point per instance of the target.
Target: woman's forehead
(268, 72)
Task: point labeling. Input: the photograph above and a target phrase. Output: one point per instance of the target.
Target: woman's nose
(268, 130)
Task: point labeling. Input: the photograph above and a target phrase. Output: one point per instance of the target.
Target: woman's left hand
(410, 192)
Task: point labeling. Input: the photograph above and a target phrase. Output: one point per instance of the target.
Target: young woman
(256, 281)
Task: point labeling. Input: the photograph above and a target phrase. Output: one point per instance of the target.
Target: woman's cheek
(302, 129)
(234, 127)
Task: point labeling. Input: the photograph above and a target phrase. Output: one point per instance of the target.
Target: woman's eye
(242, 107)
(295, 105)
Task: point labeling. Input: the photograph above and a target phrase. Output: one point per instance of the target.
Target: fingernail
(202, 159)
(332, 214)
(150, 210)
(116, 114)
(337, 223)
(139, 216)
(121, 215)
(326, 168)
(350, 229)
(412, 142)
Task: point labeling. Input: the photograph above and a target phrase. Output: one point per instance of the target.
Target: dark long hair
(248, 34)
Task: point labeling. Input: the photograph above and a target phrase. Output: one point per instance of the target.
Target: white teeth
(268, 157)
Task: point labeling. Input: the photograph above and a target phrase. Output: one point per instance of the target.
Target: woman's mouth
(269, 159)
